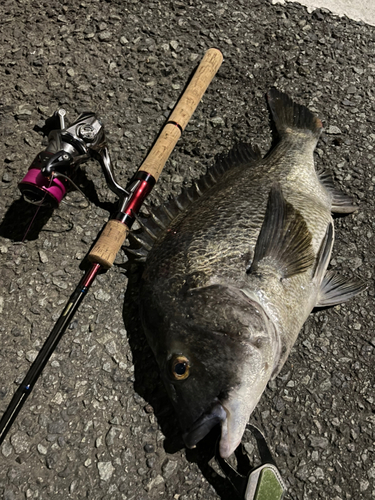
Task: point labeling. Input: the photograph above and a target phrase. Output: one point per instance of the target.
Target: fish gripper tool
(263, 482)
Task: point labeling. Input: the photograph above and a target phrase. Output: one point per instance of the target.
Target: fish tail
(290, 117)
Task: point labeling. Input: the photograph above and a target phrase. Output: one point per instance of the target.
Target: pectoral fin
(284, 240)
(336, 289)
(324, 254)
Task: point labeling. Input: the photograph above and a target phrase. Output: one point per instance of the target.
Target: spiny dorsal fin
(336, 289)
(289, 116)
(284, 241)
(140, 253)
(241, 154)
(341, 202)
(159, 218)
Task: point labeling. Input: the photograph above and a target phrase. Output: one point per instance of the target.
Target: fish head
(216, 352)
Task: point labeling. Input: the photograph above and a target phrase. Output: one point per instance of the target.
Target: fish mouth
(232, 413)
(215, 415)
(231, 432)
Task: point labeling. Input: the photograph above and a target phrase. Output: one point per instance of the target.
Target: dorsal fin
(160, 217)
(241, 154)
(341, 202)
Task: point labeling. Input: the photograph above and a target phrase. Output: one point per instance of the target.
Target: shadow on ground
(25, 221)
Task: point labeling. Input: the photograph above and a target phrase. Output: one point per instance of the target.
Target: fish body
(234, 267)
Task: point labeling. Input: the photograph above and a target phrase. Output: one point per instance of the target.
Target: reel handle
(115, 232)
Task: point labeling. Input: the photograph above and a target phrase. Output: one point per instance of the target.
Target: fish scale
(236, 265)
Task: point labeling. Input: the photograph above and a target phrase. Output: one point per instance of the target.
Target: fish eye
(180, 367)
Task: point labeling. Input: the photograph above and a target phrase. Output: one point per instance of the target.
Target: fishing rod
(48, 179)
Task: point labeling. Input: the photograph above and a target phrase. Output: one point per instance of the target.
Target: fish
(233, 266)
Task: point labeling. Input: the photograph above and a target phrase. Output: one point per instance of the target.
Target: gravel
(98, 423)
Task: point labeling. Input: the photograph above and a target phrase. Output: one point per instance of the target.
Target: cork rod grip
(109, 243)
(115, 232)
(155, 161)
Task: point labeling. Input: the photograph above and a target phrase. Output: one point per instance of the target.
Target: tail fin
(290, 117)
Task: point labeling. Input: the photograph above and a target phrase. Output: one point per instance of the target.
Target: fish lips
(201, 427)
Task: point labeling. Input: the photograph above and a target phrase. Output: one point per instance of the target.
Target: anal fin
(284, 241)
(336, 289)
(341, 202)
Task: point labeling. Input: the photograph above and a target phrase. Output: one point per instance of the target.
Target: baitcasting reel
(48, 177)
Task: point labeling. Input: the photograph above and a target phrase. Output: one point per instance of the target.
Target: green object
(269, 487)
(261, 483)
(265, 483)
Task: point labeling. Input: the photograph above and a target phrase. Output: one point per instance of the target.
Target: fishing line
(40, 203)
(51, 230)
(71, 224)
(37, 210)
(59, 174)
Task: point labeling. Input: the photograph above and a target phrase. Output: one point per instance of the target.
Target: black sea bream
(234, 266)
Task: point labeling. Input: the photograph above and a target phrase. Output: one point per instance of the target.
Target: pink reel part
(41, 190)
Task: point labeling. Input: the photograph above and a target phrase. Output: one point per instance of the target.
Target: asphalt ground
(98, 424)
